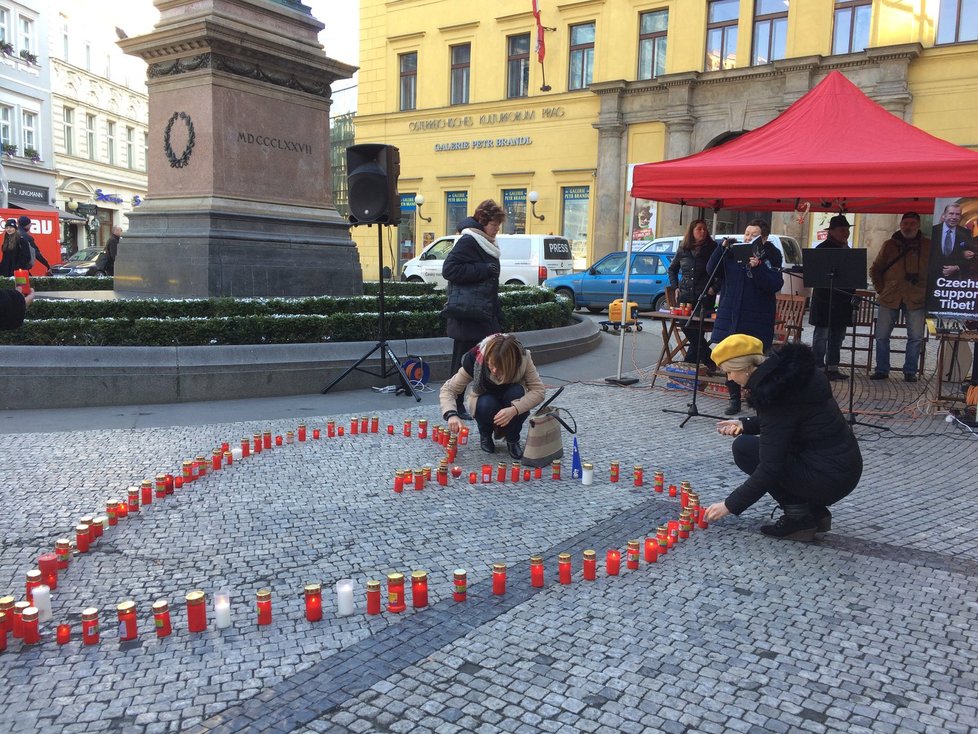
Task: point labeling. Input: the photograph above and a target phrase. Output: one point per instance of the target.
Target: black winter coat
(748, 296)
(12, 309)
(690, 264)
(841, 313)
(806, 446)
(14, 259)
(468, 264)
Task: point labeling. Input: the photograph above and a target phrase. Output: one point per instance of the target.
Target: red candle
(564, 568)
(659, 480)
(408, 477)
(228, 458)
(683, 498)
(419, 479)
(501, 472)
(423, 428)
(122, 510)
(703, 524)
(615, 471)
(373, 597)
(134, 499)
(395, 593)
(245, 448)
(651, 550)
(146, 491)
(363, 424)
(537, 472)
(111, 509)
(556, 469)
(3, 631)
(330, 429)
(33, 581)
(314, 601)
(264, 600)
(6, 614)
(456, 471)
(82, 537)
(161, 617)
(390, 429)
(257, 443)
(278, 440)
(443, 476)
(673, 532)
(48, 564)
(463, 436)
(302, 432)
(639, 475)
(536, 572)
(188, 470)
(514, 474)
(127, 621)
(177, 482)
(266, 439)
(427, 473)
(97, 528)
(487, 473)
(159, 486)
(196, 611)
(216, 458)
(22, 281)
(590, 565)
(460, 591)
(31, 635)
(62, 549)
(315, 434)
(407, 429)
(526, 475)
(63, 634)
(419, 589)
(374, 423)
(612, 562)
(18, 616)
(450, 454)
(473, 477)
(662, 539)
(631, 555)
(90, 631)
(499, 579)
(398, 481)
(340, 431)
(672, 490)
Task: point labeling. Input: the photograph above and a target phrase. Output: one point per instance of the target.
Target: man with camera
(899, 275)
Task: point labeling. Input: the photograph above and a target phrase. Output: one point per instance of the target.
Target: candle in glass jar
(373, 597)
(33, 581)
(314, 602)
(463, 436)
(631, 555)
(672, 490)
(31, 634)
(245, 448)
(90, 631)
(48, 565)
(197, 611)
(702, 523)
(127, 621)
(456, 471)
(146, 491)
(374, 423)
(587, 474)
(315, 434)
(222, 609)
(536, 571)
(638, 474)
(278, 440)
(514, 474)
(42, 602)
(486, 473)
(340, 431)
(615, 471)
(302, 432)
(461, 585)
(18, 616)
(159, 486)
(344, 597)
(6, 614)
(659, 480)
(395, 593)
(82, 535)
(407, 429)
(673, 532)
(651, 550)
(390, 429)
(422, 428)
(266, 439)
(443, 476)
(98, 527)
(612, 562)
(133, 494)
(330, 429)
(501, 472)
(537, 472)
(473, 477)
(419, 479)
(122, 509)
(229, 457)
(3, 631)
(499, 579)
(564, 568)
(363, 424)
(662, 539)
(556, 469)
(217, 459)
(526, 475)
(161, 617)
(264, 600)
(419, 589)
(590, 565)
(111, 510)
(63, 633)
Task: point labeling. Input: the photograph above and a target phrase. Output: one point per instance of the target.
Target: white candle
(236, 454)
(587, 474)
(222, 609)
(344, 597)
(42, 600)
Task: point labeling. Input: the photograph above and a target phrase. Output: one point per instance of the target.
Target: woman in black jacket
(473, 267)
(799, 448)
(14, 249)
(690, 262)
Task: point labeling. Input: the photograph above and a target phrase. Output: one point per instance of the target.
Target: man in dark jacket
(831, 308)
(24, 226)
(112, 249)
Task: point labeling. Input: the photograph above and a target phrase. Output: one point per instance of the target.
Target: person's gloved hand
(494, 268)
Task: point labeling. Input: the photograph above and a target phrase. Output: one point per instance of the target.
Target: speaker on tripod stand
(371, 173)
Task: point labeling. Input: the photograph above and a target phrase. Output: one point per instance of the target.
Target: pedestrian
(24, 225)
(16, 255)
(112, 249)
(505, 388)
(472, 271)
(690, 262)
(899, 275)
(799, 448)
(831, 310)
(13, 307)
(748, 295)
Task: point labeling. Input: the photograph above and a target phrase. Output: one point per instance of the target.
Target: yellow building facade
(459, 89)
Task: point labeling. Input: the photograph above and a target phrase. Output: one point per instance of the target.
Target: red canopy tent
(834, 150)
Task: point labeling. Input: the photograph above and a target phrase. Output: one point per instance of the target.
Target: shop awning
(62, 214)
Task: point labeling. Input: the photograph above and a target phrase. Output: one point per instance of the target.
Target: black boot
(514, 449)
(733, 407)
(487, 444)
(823, 518)
(797, 523)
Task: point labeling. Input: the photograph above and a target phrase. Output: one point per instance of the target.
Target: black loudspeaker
(371, 175)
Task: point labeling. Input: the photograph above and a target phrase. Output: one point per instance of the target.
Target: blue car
(604, 282)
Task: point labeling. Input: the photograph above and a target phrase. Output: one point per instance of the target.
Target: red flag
(541, 45)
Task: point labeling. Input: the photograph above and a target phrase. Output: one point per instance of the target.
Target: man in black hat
(24, 225)
(830, 326)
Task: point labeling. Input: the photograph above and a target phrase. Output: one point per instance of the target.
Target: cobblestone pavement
(870, 629)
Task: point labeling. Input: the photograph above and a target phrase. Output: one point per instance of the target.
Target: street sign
(87, 210)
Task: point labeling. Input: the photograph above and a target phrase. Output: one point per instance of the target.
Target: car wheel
(595, 309)
(658, 301)
(566, 293)
(514, 282)
(415, 279)
(100, 274)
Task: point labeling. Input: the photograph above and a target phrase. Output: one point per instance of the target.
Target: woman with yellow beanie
(799, 448)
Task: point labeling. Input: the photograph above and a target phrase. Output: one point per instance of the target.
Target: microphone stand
(698, 312)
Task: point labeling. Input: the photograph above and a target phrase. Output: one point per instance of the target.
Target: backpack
(31, 259)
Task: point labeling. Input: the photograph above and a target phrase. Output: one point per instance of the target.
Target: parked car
(669, 245)
(83, 262)
(604, 282)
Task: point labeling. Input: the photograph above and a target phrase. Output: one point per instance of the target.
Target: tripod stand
(386, 353)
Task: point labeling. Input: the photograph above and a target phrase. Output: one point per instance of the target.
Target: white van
(524, 259)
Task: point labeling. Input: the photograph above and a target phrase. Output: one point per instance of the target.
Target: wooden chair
(863, 332)
(788, 318)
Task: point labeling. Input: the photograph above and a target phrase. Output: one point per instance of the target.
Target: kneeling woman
(505, 387)
(799, 448)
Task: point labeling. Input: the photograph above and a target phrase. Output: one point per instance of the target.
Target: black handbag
(471, 301)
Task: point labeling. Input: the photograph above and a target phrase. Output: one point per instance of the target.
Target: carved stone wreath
(184, 159)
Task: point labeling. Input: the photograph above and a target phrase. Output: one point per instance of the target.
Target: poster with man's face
(952, 273)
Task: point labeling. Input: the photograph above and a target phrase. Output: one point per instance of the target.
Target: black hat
(839, 220)
(10, 223)
(24, 221)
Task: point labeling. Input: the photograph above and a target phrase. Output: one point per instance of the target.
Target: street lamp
(534, 197)
(419, 202)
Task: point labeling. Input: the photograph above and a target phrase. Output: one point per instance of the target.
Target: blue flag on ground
(576, 468)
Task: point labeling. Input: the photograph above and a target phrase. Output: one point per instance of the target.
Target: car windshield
(89, 253)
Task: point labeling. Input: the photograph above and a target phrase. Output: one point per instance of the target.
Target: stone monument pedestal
(239, 198)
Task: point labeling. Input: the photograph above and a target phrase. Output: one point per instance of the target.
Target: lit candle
(651, 550)
(344, 597)
(590, 565)
(315, 434)
(631, 555)
(222, 609)
(302, 432)
(499, 579)
(340, 431)
(90, 631)
(419, 589)
(82, 538)
(122, 509)
(225, 446)
(314, 602)
(390, 429)
(526, 475)
(63, 633)
(556, 469)
(278, 440)
(536, 571)
(638, 475)
(33, 581)
(31, 635)
(587, 474)
(612, 562)
(456, 471)
(197, 611)
(672, 490)
(373, 597)
(161, 617)
(463, 436)
(537, 472)
(615, 471)
(395, 593)
(127, 621)
(48, 564)
(460, 591)
(473, 477)
(263, 597)
(42, 602)
(177, 482)
(564, 568)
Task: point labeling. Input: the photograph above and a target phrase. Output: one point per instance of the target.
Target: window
(456, 208)
(514, 202)
(647, 264)
(957, 21)
(574, 218)
(652, 44)
(110, 141)
(4, 25)
(69, 130)
(721, 35)
(461, 55)
(130, 147)
(90, 137)
(6, 128)
(26, 34)
(29, 131)
(517, 65)
(409, 80)
(770, 31)
(581, 56)
(145, 151)
(851, 26)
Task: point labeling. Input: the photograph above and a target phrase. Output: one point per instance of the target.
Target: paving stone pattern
(871, 629)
